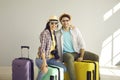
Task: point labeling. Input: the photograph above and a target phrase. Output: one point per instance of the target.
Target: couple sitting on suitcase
(64, 45)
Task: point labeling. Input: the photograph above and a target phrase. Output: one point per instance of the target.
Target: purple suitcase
(22, 68)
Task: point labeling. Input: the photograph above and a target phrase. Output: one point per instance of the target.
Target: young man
(70, 44)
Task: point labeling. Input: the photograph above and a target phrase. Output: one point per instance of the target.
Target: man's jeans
(69, 59)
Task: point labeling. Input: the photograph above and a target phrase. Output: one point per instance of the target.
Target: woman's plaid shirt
(45, 40)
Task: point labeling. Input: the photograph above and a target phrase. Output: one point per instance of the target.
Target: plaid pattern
(45, 40)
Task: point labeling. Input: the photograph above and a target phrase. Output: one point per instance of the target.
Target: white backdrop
(21, 22)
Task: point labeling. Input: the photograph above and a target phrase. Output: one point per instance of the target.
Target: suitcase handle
(23, 47)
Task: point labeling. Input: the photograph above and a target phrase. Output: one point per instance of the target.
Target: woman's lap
(50, 62)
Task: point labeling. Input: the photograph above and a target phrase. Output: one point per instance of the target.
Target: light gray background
(21, 22)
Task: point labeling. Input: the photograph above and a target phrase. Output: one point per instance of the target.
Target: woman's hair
(48, 28)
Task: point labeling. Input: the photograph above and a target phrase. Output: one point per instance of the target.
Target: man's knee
(68, 57)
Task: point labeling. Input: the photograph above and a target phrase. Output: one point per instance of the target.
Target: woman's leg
(40, 73)
(57, 63)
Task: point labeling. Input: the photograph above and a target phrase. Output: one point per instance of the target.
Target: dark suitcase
(23, 68)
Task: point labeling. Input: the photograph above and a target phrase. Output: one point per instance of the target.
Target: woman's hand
(72, 27)
(44, 67)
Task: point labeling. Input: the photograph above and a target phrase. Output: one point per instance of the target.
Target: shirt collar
(63, 30)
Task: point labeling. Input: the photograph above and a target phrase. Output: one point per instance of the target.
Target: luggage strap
(94, 72)
(57, 69)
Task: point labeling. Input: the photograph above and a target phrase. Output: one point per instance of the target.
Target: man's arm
(81, 43)
(81, 55)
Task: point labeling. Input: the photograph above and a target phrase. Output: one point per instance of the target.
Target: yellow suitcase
(87, 70)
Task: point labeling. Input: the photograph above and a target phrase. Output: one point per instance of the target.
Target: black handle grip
(25, 47)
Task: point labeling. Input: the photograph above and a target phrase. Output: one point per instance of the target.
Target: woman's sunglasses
(53, 22)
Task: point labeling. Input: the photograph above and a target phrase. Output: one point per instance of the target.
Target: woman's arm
(44, 66)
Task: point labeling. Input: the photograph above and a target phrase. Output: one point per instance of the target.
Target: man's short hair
(64, 15)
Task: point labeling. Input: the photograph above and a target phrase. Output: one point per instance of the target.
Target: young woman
(47, 54)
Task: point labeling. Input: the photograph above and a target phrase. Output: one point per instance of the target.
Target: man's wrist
(81, 57)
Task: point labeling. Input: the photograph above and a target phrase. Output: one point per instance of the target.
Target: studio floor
(106, 73)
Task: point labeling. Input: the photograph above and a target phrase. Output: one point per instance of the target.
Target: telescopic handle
(23, 47)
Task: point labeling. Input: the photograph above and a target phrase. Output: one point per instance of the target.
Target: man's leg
(69, 60)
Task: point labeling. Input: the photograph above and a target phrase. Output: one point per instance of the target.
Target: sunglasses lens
(53, 23)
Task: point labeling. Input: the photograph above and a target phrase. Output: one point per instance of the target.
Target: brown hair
(64, 15)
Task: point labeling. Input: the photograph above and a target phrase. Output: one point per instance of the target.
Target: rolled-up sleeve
(81, 40)
(78, 41)
(43, 42)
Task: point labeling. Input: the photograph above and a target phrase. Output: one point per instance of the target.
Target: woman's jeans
(49, 62)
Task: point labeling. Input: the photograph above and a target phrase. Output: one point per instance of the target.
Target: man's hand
(80, 59)
(81, 55)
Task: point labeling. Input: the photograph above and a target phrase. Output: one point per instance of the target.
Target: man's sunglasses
(65, 20)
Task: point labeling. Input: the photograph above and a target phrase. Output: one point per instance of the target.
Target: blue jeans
(49, 62)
